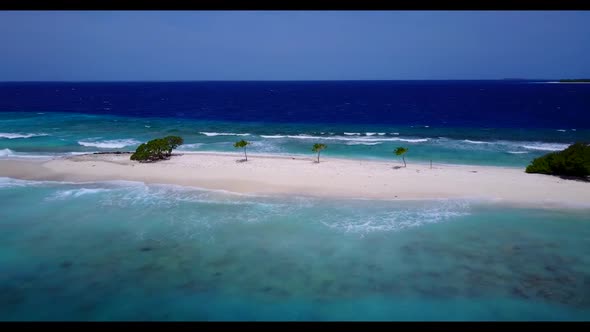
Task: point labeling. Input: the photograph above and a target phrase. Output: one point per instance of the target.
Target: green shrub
(573, 161)
(157, 149)
(174, 142)
(141, 153)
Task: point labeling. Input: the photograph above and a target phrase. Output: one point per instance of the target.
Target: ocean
(121, 250)
(502, 123)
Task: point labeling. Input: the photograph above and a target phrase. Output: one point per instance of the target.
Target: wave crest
(360, 139)
(363, 143)
(6, 153)
(397, 219)
(18, 135)
(546, 146)
(475, 142)
(206, 133)
(75, 193)
(110, 144)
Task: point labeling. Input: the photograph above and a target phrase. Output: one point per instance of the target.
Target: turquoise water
(129, 251)
(34, 134)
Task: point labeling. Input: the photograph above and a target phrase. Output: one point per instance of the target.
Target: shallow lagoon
(127, 251)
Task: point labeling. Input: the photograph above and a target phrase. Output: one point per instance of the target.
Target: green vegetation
(573, 161)
(173, 142)
(400, 152)
(242, 144)
(157, 149)
(318, 147)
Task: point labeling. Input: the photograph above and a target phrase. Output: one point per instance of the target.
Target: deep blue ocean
(475, 104)
(119, 250)
(504, 123)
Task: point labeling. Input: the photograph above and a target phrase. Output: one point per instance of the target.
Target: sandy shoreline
(263, 174)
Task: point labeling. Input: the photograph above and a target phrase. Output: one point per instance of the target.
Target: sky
(292, 45)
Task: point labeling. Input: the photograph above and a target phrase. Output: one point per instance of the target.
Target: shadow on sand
(575, 178)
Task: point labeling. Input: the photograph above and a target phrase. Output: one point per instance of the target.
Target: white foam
(363, 143)
(222, 134)
(360, 139)
(398, 219)
(74, 193)
(110, 144)
(11, 183)
(411, 140)
(9, 154)
(546, 146)
(561, 130)
(517, 152)
(352, 134)
(81, 153)
(475, 142)
(370, 134)
(18, 135)
(394, 133)
(6, 153)
(380, 134)
(501, 145)
(190, 146)
(273, 136)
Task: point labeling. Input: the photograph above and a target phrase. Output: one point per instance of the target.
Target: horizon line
(287, 80)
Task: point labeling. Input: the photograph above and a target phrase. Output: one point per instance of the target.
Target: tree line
(573, 161)
(161, 148)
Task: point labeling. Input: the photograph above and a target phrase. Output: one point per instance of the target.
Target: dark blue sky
(293, 45)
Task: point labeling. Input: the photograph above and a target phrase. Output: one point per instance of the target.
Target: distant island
(563, 80)
(575, 80)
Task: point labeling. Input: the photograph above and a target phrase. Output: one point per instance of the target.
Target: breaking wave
(363, 143)
(110, 144)
(359, 139)
(206, 133)
(18, 135)
(546, 146)
(395, 219)
(474, 142)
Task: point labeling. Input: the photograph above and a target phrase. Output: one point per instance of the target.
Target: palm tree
(242, 144)
(400, 152)
(318, 147)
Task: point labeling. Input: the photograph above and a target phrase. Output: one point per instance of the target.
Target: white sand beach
(301, 175)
